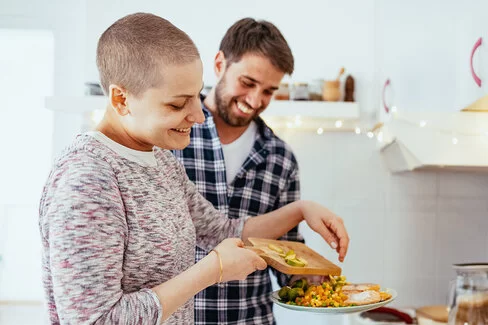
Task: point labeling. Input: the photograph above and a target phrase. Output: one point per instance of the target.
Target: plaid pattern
(267, 180)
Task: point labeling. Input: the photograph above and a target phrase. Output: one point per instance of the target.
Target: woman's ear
(118, 99)
(220, 64)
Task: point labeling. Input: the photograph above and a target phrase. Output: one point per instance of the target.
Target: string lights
(320, 126)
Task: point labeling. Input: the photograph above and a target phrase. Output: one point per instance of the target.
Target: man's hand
(328, 225)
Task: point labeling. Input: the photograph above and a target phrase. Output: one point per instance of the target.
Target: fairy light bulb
(320, 131)
(298, 120)
(357, 130)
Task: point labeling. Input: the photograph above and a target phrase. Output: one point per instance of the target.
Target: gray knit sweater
(112, 228)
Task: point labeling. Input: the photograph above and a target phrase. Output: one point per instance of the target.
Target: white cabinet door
(415, 53)
(471, 49)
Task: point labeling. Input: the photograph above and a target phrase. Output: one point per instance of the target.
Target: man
(238, 163)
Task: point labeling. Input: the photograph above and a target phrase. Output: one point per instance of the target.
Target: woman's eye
(177, 106)
(246, 84)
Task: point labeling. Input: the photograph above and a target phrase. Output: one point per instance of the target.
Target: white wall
(27, 136)
(406, 229)
(323, 35)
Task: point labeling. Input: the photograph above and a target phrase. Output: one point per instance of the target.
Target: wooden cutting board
(317, 264)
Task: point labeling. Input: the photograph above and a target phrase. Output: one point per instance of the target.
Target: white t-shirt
(236, 153)
(144, 158)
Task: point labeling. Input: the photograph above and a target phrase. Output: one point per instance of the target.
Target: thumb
(260, 263)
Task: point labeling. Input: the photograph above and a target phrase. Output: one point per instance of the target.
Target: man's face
(245, 88)
(163, 116)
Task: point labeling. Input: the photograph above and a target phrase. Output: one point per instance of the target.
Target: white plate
(331, 310)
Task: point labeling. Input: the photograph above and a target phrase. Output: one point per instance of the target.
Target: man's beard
(224, 107)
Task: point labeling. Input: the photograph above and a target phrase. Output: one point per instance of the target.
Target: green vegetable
(283, 293)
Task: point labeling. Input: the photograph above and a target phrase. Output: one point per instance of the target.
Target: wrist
(212, 267)
(221, 267)
(301, 204)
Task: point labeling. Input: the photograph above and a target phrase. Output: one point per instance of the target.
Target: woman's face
(163, 116)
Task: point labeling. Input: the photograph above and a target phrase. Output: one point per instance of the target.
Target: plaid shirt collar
(260, 148)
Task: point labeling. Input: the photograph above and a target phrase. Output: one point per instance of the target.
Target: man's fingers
(337, 227)
(327, 235)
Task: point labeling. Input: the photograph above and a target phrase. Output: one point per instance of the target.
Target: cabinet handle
(387, 83)
(475, 77)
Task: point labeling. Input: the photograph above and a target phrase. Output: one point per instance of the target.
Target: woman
(119, 218)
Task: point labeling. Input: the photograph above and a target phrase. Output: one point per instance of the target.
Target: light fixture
(338, 124)
(394, 109)
(423, 123)
(455, 140)
(370, 134)
(357, 130)
(320, 131)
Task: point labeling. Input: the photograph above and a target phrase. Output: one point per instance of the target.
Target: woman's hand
(237, 261)
(328, 225)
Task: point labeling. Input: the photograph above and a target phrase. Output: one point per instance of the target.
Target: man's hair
(131, 51)
(249, 36)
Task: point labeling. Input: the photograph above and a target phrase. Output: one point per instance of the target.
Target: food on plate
(361, 287)
(335, 292)
(290, 257)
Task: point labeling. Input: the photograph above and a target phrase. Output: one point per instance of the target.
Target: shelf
(277, 108)
(313, 109)
(73, 104)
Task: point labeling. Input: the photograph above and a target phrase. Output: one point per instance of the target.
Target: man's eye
(248, 85)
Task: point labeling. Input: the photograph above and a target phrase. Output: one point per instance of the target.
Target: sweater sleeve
(84, 232)
(211, 225)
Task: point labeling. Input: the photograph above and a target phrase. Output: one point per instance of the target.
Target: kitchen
(418, 223)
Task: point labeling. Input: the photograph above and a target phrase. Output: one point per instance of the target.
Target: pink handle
(475, 77)
(387, 83)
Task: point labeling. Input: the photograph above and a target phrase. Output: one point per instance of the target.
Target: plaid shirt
(267, 180)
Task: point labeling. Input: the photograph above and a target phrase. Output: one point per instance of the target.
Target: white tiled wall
(406, 229)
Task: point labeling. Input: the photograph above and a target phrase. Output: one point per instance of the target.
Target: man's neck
(227, 133)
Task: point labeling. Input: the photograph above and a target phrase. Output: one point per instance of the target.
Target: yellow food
(290, 257)
(276, 248)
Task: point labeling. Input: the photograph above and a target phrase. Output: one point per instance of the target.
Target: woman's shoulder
(85, 151)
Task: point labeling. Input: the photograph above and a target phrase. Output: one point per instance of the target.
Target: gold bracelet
(220, 262)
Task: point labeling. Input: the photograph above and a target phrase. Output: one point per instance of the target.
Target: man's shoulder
(274, 143)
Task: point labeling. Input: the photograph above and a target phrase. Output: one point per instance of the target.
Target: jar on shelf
(315, 89)
(332, 91)
(300, 91)
(283, 92)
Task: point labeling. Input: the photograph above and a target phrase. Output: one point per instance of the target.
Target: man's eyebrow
(256, 81)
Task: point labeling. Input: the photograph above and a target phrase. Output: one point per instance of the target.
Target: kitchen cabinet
(415, 54)
(471, 49)
(424, 51)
